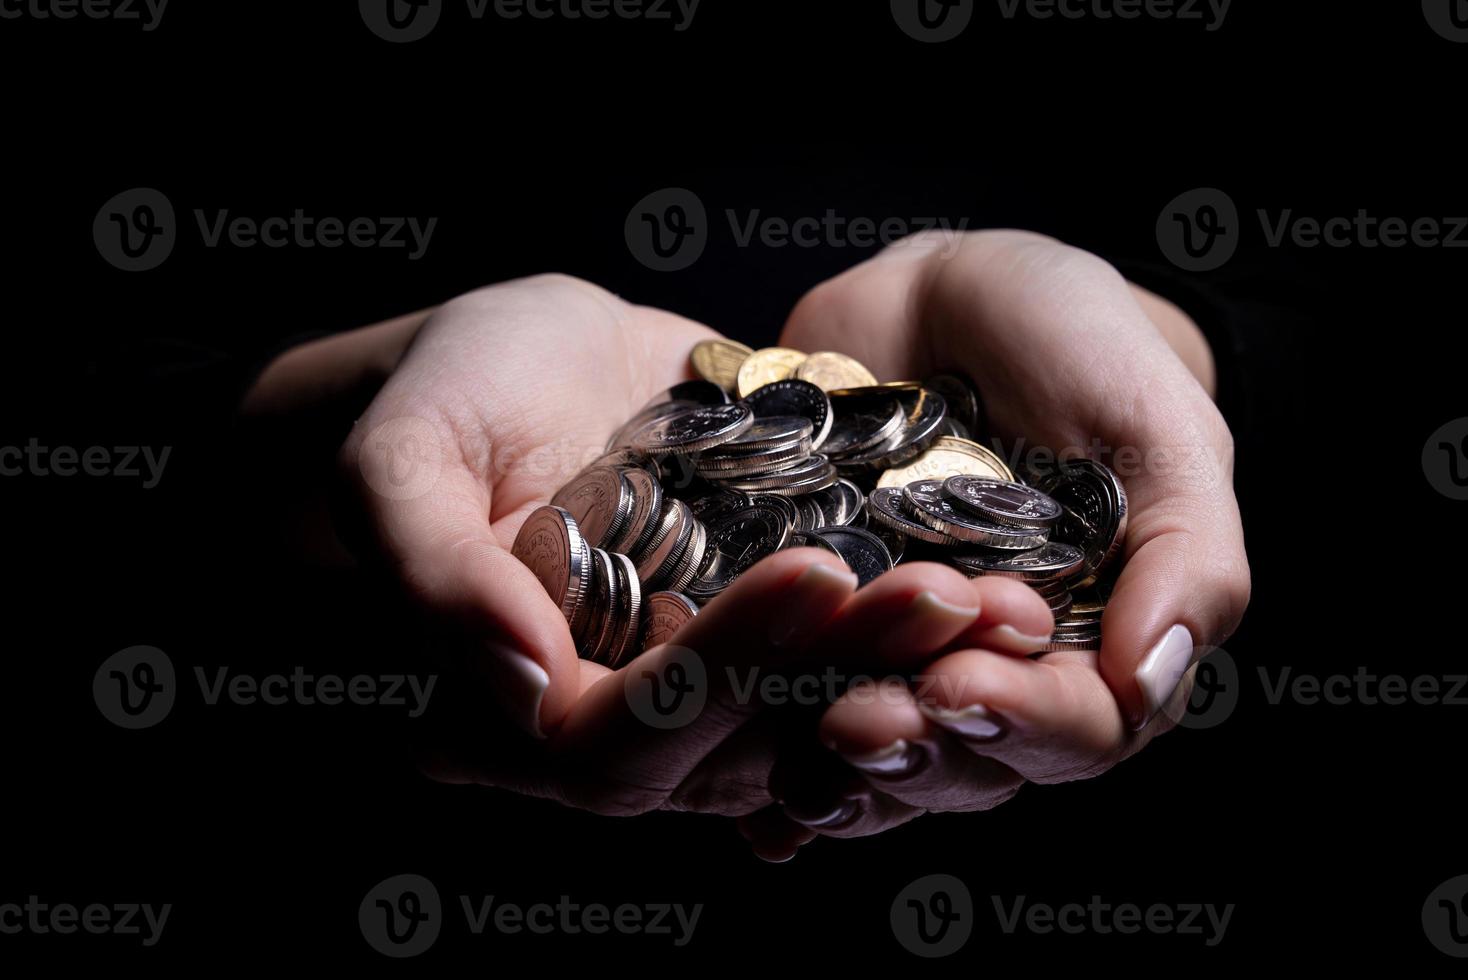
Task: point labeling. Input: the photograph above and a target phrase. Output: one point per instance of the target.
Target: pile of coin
(775, 449)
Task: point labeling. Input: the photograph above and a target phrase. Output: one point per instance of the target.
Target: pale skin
(1063, 349)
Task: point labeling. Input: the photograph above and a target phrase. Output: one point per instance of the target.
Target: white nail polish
(893, 760)
(973, 722)
(1162, 670)
(519, 684)
(1011, 639)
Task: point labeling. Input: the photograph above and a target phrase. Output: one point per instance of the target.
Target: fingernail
(519, 684)
(975, 722)
(1010, 640)
(1162, 670)
(901, 758)
(841, 813)
(819, 587)
(928, 608)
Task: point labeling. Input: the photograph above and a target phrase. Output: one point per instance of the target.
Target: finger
(819, 792)
(1184, 585)
(774, 836)
(903, 615)
(879, 730)
(644, 728)
(1051, 719)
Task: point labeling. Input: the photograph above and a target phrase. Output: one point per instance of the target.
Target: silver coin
(785, 506)
(1060, 604)
(1078, 618)
(794, 397)
(630, 614)
(953, 427)
(665, 613)
(923, 412)
(647, 504)
(757, 463)
(709, 508)
(841, 501)
(887, 506)
(664, 538)
(927, 502)
(609, 600)
(1094, 509)
(1053, 561)
(674, 552)
(551, 545)
(861, 422)
(1081, 638)
(767, 433)
(601, 502)
(895, 541)
(809, 514)
(963, 400)
(737, 542)
(622, 438)
(804, 539)
(622, 458)
(696, 391)
(800, 473)
(693, 430)
(1002, 502)
(691, 561)
(820, 481)
(864, 552)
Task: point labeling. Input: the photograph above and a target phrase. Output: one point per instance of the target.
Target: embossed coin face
(737, 543)
(948, 456)
(693, 430)
(697, 392)
(887, 506)
(601, 502)
(864, 552)
(829, 370)
(1052, 561)
(1002, 501)
(765, 366)
(929, 504)
(622, 438)
(1094, 509)
(664, 614)
(861, 422)
(551, 546)
(923, 412)
(719, 361)
(798, 398)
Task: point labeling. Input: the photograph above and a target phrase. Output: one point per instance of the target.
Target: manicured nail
(975, 723)
(1162, 670)
(901, 758)
(1010, 640)
(835, 816)
(519, 684)
(928, 608)
(816, 591)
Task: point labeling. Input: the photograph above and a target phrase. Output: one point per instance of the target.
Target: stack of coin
(775, 449)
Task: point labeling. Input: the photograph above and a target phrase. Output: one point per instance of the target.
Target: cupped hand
(1067, 357)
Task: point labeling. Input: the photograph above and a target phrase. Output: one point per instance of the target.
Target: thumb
(1185, 582)
(425, 515)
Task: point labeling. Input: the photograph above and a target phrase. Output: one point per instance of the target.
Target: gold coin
(828, 371)
(949, 456)
(885, 388)
(767, 365)
(719, 360)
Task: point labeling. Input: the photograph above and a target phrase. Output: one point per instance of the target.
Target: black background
(1327, 825)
